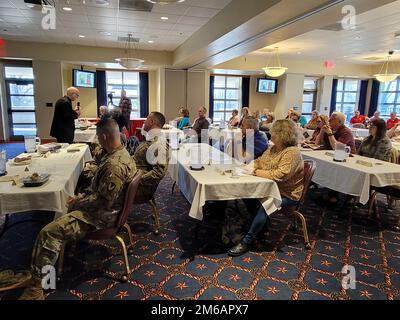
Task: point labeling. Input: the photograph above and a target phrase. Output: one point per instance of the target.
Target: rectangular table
(352, 178)
(64, 169)
(209, 185)
(88, 135)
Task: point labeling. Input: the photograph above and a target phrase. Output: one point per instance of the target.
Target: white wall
(48, 88)
(290, 94)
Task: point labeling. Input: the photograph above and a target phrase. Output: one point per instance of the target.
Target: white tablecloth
(201, 186)
(64, 169)
(360, 133)
(88, 135)
(352, 178)
(173, 133)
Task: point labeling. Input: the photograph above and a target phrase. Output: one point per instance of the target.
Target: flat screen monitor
(267, 86)
(83, 79)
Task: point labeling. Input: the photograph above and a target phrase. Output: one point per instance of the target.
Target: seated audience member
(151, 156)
(358, 118)
(393, 120)
(103, 112)
(377, 145)
(295, 117)
(283, 164)
(337, 132)
(265, 114)
(394, 133)
(200, 125)
(245, 113)
(183, 120)
(254, 142)
(234, 120)
(87, 212)
(119, 118)
(266, 125)
(322, 120)
(290, 111)
(377, 116)
(312, 124)
(302, 120)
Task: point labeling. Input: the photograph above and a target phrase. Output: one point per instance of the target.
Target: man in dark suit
(63, 126)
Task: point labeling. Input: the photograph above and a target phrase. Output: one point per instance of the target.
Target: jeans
(260, 218)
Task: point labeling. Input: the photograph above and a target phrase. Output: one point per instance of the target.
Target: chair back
(129, 197)
(309, 169)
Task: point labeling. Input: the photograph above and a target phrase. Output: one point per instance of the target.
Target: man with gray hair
(254, 142)
(338, 132)
(63, 125)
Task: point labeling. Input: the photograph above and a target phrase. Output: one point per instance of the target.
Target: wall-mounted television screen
(83, 79)
(267, 85)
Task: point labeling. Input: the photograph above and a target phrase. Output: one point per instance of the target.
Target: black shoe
(239, 249)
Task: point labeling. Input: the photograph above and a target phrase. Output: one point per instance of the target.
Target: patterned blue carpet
(278, 268)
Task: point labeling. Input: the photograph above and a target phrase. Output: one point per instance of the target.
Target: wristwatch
(330, 134)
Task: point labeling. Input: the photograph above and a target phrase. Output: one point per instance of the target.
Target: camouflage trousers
(51, 238)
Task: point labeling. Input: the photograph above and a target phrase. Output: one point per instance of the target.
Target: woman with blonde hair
(283, 164)
(312, 124)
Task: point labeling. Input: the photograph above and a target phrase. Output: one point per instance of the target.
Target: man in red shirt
(338, 132)
(392, 121)
(358, 118)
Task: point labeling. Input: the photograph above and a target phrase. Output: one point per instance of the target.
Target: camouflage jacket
(102, 206)
(154, 167)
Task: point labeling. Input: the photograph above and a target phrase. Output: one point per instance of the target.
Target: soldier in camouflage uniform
(97, 210)
(151, 156)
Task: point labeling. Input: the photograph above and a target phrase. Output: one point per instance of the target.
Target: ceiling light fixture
(150, 41)
(130, 62)
(105, 33)
(162, 2)
(164, 18)
(387, 76)
(81, 36)
(67, 8)
(274, 70)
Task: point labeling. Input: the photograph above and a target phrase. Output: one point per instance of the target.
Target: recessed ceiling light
(81, 36)
(299, 52)
(164, 18)
(150, 41)
(345, 56)
(67, 8)
(95, 64)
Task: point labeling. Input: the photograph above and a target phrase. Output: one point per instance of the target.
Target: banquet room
(199, 150)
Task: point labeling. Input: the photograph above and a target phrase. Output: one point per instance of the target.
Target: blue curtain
(144, 94)
(245, 91)
(101, 89)
(333, 97)
(373, 106)
(363, 96)
(211, 111)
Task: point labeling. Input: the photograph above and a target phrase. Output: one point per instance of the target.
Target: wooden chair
(309, 169)
(113, 232)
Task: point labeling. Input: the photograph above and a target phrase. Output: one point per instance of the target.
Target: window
(348, 92)
(227, 97)
(21, 101)
(128, 81)
(309, 97)
(389, 98)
